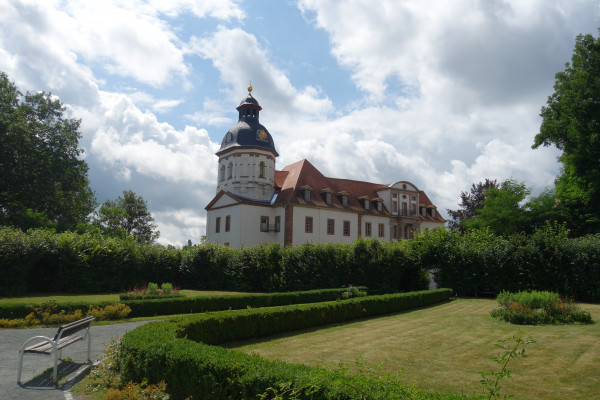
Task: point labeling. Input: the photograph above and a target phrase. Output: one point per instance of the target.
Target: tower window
(261, 169)
(277, 224)
(264, 224)
(227, 223)
(229, 171)
(222, 174)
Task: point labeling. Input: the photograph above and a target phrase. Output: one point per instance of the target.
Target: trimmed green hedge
(165, 351)
(185, 305)
(473, 263)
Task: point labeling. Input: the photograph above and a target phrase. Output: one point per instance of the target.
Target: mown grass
(445, 347)
(93, 298)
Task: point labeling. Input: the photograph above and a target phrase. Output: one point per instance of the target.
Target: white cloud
(240, 60)
(133, 139)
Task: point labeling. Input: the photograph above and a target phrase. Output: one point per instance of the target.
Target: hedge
(473, 263)
(185, 305)
(166, 351)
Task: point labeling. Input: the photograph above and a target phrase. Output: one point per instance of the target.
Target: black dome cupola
(248, 132)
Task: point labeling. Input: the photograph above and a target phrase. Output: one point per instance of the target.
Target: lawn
(94, 298)
(446, 346)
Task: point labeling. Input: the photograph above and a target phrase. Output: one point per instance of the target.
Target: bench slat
(46, 347)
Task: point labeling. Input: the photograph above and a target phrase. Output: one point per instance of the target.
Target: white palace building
(255, 203)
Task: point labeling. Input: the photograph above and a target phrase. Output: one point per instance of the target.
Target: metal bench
(65, 336)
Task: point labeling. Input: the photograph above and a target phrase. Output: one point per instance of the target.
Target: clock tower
(247, 156)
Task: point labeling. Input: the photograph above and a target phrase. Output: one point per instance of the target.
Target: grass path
(446, 346)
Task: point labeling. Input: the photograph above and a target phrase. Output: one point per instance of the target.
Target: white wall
(375, 221)
(320, 217)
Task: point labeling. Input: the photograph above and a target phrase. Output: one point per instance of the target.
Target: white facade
(256, 204)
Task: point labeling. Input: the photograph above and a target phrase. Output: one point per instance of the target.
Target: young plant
(510, 351)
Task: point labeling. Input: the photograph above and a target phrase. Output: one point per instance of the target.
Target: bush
(164, 351)
(537, 308)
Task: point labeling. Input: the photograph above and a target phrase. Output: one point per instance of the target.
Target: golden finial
(250, 88)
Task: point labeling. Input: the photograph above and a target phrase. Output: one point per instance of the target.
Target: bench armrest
(44, 338)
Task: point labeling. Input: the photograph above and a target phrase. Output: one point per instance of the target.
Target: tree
(470, 203)
(127, 216)
(502, 211)
(43, 180)
(571, 122)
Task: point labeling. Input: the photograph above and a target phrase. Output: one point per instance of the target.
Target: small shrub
(538, 308)
(110, 312)
(135, 391)
(152, 288)
(167, 288)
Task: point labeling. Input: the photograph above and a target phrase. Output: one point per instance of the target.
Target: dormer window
(379, 206)
(366, 202)
(306, 193)
(326, 194)
(433, 212)
(343, 197)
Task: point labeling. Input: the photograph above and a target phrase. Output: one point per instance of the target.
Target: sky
(440, 93)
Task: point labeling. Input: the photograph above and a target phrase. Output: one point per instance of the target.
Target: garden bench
(65, 336)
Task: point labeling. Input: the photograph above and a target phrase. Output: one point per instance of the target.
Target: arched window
(222, 174)
(230, 171)
(261, 169)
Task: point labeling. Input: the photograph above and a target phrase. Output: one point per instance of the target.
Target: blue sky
(442, 94)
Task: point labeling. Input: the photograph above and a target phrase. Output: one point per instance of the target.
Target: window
(433, 212)
(330, 226)
(261, 169)
(346, 228)
(367, 229)
(381, 230)
(230, 171)
(222, 174)
(308, 225)
(366, 203)
(264, 224)
(305, 190)
(380, 206)
(345, 200)
(328, 198)
(227, 223)
(218, 225)
(277, 224)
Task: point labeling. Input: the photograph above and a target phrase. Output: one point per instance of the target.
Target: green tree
(43, 180)
(502, 211)
(127, 216)
(507, 209)
(571, 122)
(470, 203)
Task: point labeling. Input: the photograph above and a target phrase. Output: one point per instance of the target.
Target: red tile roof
(303, 173)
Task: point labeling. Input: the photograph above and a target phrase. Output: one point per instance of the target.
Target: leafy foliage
(538, 307)
(127, 216)
(43, 180)
(470, 203)
(491, 380)
(571, 122)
